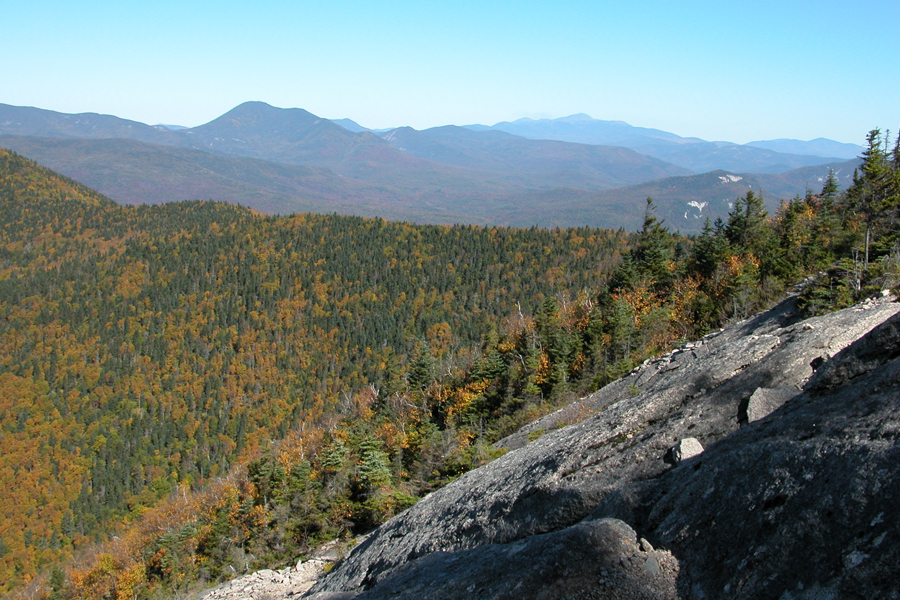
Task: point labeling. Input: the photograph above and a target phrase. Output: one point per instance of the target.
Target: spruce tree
(653, 253)
(874, 188)
(830, 189)
(747, 228)
(710, 249)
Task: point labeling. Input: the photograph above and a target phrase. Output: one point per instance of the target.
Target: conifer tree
(653, 252)
(830, 188)
(746, 228)
(421, 368)
(710, 249)
(874, 188)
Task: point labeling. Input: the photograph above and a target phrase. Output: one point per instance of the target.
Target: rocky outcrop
(595, 559)
(269, 584)
(685, 449)
(801, 503)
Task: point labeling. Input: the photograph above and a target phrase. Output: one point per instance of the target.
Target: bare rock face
(799, 504)
(596, 559)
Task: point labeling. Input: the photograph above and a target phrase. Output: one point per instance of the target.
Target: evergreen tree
(651, 261)
(374, 467)
(830, 188)
(710, 249)
(421, 368)
(653, 253)
(746, 229)
(874, 189)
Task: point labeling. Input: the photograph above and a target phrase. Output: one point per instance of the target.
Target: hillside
(30, 121)
(817, 147)
(606, 498)
(685, 202)
(708, 156)
(146, 349)
(532, 163)
(297, 137)
(133, 172)
(136, 173)
(787, 493)
(753, 462)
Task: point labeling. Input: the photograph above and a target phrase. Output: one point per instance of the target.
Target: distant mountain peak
(817, 147)
(350, 125)
(577, 118)
(253, 104)
(571, 119)
(262, 109)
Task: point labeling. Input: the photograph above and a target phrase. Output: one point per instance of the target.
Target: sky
(727, 71)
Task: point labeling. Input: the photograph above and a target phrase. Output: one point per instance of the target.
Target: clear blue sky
(716, 70)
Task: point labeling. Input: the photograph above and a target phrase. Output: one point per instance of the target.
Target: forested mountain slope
(146, 348)
(134, 172)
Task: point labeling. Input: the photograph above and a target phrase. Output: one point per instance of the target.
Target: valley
(564, 173)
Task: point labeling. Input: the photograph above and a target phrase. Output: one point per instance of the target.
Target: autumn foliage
(190, 391)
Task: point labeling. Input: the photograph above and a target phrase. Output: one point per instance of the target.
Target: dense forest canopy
(146, 348)
(237, 388)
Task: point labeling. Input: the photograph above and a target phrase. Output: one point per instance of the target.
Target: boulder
(685, 449)
(765, 400)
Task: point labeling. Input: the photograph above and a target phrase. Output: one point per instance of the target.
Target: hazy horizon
(740, 73)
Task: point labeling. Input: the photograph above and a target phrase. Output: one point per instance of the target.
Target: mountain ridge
(689, 152)
(133, 172)
(817, 147)
(440, 175)
(579, 165)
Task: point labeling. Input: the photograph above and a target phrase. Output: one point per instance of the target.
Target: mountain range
(565, 172)
(772, 156)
